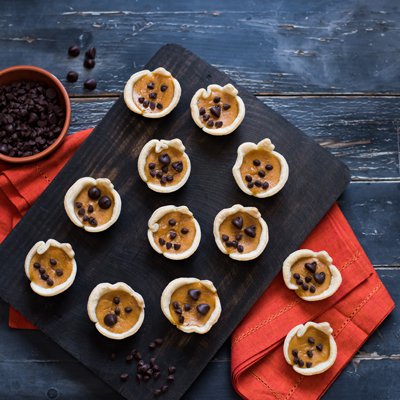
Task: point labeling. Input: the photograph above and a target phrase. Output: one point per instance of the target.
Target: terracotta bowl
(30, 73)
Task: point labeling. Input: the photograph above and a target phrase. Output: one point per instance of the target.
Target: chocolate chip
(168, 245)
(206, 117)
(146, 377)
(153, 95)
(308, 364)
(73, 51)
(171, 369)
(172, 235)
(177, 166)
(300, 363)
(89, 63)
(161, 241)
(50, 282)
(164, 159)
(240, 248)
(261, 173)
(90, 84)
(250, 185)
(295, 352)
(296, 275)
(229, 244)
(105, 202)
(152, 345)
(210, 123)
(177, 246)
(41, 270)
(216, 99)
(258, 183)
(181, 319)
(250, 231)
(319, 277)
(53, 261)
(202, 110)
(128, 310)
(141, 100)
(36, 265)
(312, 289)
(116, 300)
(234, 244)
(113, 356)
(239, 236)
(164, 169)
(159, 106)
(310, 353)
(152, 105)
(164, 388)
(170, 178)
(163, 87)
(299, 281)
(248, 178)
(304, 286)
(296, 360)
(172, 222)
(308, 279)
(152, 165)
(117, 311)
(159, 341)
(137, 356)
(203, 308)
(194, 294)
(224, 238)
(78, 204)
(145, 103)
(218, 124)
(90, 208)
(311, 340)
(226, 106)
(187, 307)
(269, 167)
(170, 378)
(312, 267)
(150, 85)
(91, 53)
(238, 222)
(159, 174)
(124, 377)
(92, 221)
(178, 310)
(110, 319)
(81, 212)
(94, 193)
(129, 358)
(157, 392)
(256, 162)
(72, 76)
(139, 377)
(215, 111)
(184, 231)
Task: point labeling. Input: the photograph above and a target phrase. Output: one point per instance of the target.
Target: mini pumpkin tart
(92, 204)
(192, 305)
(310, 348)
(164, 165)
(240, 232)
(311, 275)
(259, 170)
(117, 310)
(217, 110)
(174, 232)
(152, 94)
(51, 267)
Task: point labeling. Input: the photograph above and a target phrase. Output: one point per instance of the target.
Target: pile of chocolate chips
(89, 63)
(250, 231)
(215, 112)
(319, 277)
(42, 271)
(310, 353)
(161, 172)
(172, 235)
(31, 118)
(261, 173)
(194, 294)
(152, 96)
(147, 371)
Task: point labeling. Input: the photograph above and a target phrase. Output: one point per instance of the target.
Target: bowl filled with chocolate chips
(35, 113)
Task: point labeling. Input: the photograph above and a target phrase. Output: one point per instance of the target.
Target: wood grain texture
(363, 132)
(111, 151)
(270, 47)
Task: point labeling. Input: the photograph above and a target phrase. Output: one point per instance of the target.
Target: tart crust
(166, 300)
(128, 98)
(253, 211)
(265, 145)
(300, 330)
(205, 93)
(40, 248)
(94, 298)
(73, 192)
(153, 227)
(336, 278)
(160, 146)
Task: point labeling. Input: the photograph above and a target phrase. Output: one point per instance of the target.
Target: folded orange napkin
(21, 185)
(259, 370)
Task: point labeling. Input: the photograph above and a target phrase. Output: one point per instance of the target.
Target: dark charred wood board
(123, 253)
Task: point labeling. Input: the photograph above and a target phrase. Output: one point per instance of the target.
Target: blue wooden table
(330, 67)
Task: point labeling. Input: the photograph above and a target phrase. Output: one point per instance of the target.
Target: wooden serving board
(123, 253)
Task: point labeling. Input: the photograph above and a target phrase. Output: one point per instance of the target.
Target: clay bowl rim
(56, 84)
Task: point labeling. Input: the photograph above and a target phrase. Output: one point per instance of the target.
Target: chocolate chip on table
(210, 123)
(139, 377)
(164, 159)
(137, 356)
(105, 202)
(311, 340)
(172, 222)
(218, 124)
(177, 166)
(124, 377)
(171, 369)
(159, 106)
(312, 267)
(150, 85)
(90, 84)
(238, 222)
(203, 308)
(215, 111)
(261, 173)
(74, 51)
(319, 277)
(168, 245)
(226, 106)
(240, 248)
(194, 294)
(94, 193)
(72, 76)
(250, 231)
(50, 282)
(224, 238)
(170, 378)
(308, 279)
(206, 117)
(129, 358)
(90, 208)
(319, 347)
(116, 300)
(164, 388)
(36, 265)
(91, 53)
(89, 63)
(269, 167)
(184, 231)
(159, 341)
(53, 261)
(177, 246)
(163, 87)
(216, 99)
(152, 345)
(296, 275)
(153, 95)
(141, 100)
(312, 289)
(202, 110)
(310, 353)
(110, 319)
(257, 162)
(157, 392)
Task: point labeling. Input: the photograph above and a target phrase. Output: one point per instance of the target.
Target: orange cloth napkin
(21, 185)
(259, 370)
